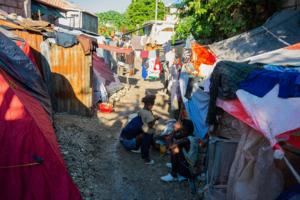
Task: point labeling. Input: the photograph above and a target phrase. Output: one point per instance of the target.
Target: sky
(105, 5)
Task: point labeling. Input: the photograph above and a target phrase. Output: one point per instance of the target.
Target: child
(148, 120)
(184, 152)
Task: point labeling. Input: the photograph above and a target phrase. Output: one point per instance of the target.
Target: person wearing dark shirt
(180, 147)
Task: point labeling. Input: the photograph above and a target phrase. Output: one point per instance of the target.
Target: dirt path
(101, 168)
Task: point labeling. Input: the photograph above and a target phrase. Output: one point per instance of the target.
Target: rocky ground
(101, 168)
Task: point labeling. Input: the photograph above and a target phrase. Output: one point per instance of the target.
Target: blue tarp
(196, 106)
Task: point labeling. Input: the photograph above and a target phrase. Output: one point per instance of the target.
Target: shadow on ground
(101, 168)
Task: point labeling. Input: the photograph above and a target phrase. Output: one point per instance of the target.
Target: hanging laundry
(152, 54)
(201, 55)
(144, 54)
(225, 81)
(260, 82)
(88, 44)
(66, 40)
(136, 43)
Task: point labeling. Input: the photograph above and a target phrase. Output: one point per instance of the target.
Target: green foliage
(110, 21)
(140, 11)
(183, 29)
(218, 19)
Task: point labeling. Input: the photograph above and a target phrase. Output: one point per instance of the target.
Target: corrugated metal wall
(71, 77)
(71, 73)
(33, 39)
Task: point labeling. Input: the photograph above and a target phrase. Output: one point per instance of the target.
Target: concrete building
(65, 14)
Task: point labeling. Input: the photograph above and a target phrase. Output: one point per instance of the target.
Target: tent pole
(294, 172)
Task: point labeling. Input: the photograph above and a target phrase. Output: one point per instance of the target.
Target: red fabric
(158, 65)
(26, 131)
(294, 141)
(115, 49)
(144, 54)
(236, 109)
(27, 50)
(201, 56)
(294, 47)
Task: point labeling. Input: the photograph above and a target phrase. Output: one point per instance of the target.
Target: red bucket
(105, 107)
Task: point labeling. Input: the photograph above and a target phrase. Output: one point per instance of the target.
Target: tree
(213, 20)
(110, 21)
(140, 11)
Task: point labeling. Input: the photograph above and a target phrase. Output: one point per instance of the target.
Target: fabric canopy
(236, 109)
(280, 30)
(103, 74)
(31, 165)
(288, 56)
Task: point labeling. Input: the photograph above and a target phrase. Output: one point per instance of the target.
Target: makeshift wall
(71, 79)
(20, 7)
(241, 164)
(33, 39)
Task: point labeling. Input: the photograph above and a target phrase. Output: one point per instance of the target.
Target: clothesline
(115, 49)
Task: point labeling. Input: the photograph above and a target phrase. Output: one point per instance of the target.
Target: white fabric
(206, 70)
(271, 114)
(278, 57)
(170, 57)
(153, 70)
(253, 174)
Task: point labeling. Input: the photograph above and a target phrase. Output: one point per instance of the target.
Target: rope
(294, 172)
(275, 36)
(19, 166)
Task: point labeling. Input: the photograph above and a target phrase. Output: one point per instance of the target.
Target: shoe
(149, 162)
(169, 165)
(136, 150)
(168, 178)
(181, 178)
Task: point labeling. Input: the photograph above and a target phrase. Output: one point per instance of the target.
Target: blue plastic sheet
(196, 107)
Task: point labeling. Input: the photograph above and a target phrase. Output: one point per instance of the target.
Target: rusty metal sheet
(71, 79)
(33, 39)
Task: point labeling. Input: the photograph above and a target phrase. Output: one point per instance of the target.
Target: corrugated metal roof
(61, 4)
(64, 5)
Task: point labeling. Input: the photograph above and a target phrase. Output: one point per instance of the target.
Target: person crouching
(184, 152)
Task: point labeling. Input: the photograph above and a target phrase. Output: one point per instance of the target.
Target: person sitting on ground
(148, 120)
(184, 152)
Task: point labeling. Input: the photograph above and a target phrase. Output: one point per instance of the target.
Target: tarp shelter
(268, 120)
(106, 82)
(31, 165)
(281, 30)
(15, 63)
(288, 56)
(196, 104)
